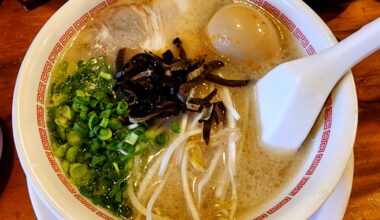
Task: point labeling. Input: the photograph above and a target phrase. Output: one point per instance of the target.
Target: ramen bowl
(330, 147)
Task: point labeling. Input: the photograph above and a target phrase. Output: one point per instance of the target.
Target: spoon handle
(354, 48)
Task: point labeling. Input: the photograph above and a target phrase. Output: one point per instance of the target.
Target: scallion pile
(91, 135)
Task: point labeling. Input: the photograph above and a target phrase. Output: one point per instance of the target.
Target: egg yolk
(243, 33)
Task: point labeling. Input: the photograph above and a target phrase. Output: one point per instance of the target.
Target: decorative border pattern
(287, 22)
(40, 116)
(46, 71)
(97, 9)
(70, 32)
(81, 21)
(66, 37)
(271, 9)
(41, 92)
(55, 53)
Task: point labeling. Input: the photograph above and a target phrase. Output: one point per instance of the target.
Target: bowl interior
(323, 166)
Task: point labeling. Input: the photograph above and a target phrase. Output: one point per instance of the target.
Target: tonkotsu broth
(260, 175)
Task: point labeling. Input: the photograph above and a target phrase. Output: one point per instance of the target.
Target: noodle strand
(186, 190)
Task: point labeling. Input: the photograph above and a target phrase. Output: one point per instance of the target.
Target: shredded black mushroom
(119, 63)
(178, 43)
(220, 112)
(225, 82)
(168, 57)
(207, 124)
(159, 86)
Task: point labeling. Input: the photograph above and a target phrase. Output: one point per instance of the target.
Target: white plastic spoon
(291, 95)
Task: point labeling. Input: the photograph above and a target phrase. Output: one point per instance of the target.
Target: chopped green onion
(150, 134)
(83, 107)
(61, 121)
(94, 131)
(98, 160)
(162, 139)
(94, 61)
(123, 152)
(131, 138)
(176, 128)
(132, 126)
(73, 138)
(84, 157)
(105, 134)
(116, 167)
(94, 145)
(66, 112)
(105, 113)
(59, 151)
(80, 100)
(81, 63)
(92, 120)
(94, 103)
(80, 174)
(116, 188)
(109, 106)
(71, 154)
(59, 98)
(130, 164)
(104, 122)
(65, 166)
(122, 107)
(80, 93)
(76, 107)
(140, 147)
(103, 186)
(106, 76)
(83, 114)
(62, 133)
(139, 130)
(99, 95)
(115, 124)
(80, 129)
(129, 148)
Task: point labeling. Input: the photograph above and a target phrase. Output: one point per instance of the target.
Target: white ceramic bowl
(315, 180)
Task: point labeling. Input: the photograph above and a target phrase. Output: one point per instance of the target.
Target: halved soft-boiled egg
(243, 33)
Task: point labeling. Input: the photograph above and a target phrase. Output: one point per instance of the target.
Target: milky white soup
(226, 178)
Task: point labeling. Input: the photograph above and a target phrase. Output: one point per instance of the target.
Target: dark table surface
(18, 28)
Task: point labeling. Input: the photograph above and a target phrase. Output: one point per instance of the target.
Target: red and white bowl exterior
(311, 185)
